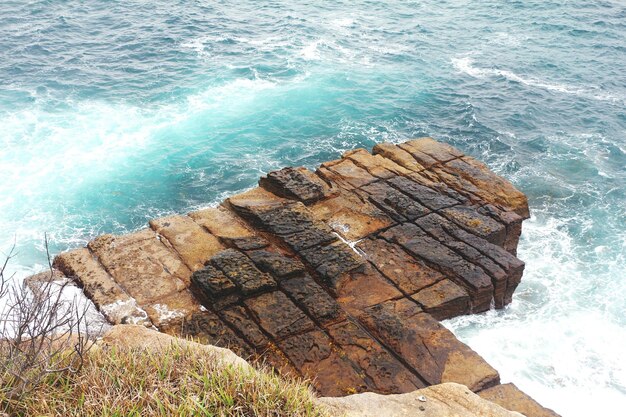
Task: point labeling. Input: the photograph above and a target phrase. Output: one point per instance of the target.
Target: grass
(174, 381)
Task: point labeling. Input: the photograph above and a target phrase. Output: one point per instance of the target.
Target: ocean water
(112, 113)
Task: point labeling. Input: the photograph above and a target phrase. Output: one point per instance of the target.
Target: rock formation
(339, 275)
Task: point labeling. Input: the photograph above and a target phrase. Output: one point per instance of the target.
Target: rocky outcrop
(338, 275)
(443, 400)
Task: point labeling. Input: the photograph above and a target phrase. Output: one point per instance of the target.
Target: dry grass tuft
(175, 381)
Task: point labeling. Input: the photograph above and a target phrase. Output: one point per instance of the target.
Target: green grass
(174, 381)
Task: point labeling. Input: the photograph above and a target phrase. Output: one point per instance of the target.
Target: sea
(116, 112)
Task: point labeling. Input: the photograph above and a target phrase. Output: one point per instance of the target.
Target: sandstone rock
(382, 371)
(376, 165)
(398, 155)
(363, 287)
(332, 261)
(315, 356)
(443, 300)
(407, 273)
(278, 315)
(443, 400)
(429, 348)
(296, 184)
(107, 295)
(220, 222)
(351, 216)
(239, 269)
(496, 190)
(305, 292)
(439, 151)
(437, 255)
(396, 204)
(512, 398)
(194, 245)
(345, 174)
(139, 262)
(276, 263)
(207, 328)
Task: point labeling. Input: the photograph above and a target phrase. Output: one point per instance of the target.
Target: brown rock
(207, 328)
(145, 267)
(437, 255)
(429, 197)
(169, 312)
(406, 272)
(382, 371)
(398, 155)
(376, 165)
(350, 216)
(443, 300)
(307, 294)
(276, 263)
(345, 174)
(213, 288)
(362, 288)
(278, 315)
(332, 261)
(109, 297)
(194, 245)
(295, 184)
(397, 205)
(220, 222)
(496, 190)
(329, 370)
(443, 400)
(512, 398)
(427, 346)
(474, 222)
(441, 152)
(239, 269)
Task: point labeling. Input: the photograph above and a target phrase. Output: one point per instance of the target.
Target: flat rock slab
(443, 400)
(512, 398)
(338, 275)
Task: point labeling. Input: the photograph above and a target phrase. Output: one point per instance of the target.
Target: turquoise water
(112, 113)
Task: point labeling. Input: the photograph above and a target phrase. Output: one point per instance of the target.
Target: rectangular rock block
(472, 221)
(278, 316)
(214, 289)
(279, 265)
(110, 298)
(332, 261)
(428, 347)
(439, 151)
(407, 273)
(364, 287)
(397, 205)
(307, 294)
(194, 245)
(221, 222)
(398, 155)
(331, 373)
(142, 265)
(239, 269)
(384, 373)
(345, 174)
(351, 216)
(439, 256)
(496, 189)
(431, 198)
(207, 328)
(171, 311)
(376, 165)
(296, 184)
(444, 300)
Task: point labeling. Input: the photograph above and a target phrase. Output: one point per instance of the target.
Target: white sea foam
(557, 341)
(466, 66)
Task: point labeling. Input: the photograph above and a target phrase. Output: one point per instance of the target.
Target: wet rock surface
(338, 275)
